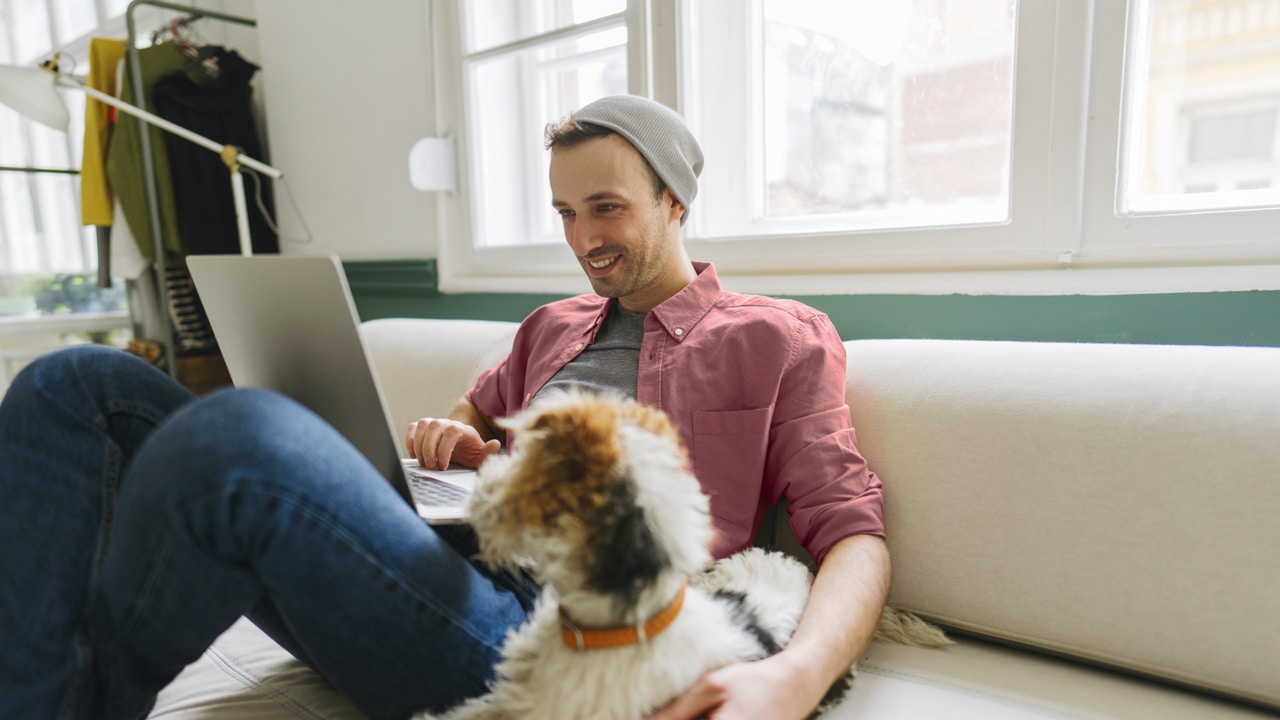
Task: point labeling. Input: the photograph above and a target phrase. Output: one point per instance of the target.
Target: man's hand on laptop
(437, 442)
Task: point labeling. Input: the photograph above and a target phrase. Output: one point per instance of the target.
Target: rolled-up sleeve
(813, 451)
(487, 393)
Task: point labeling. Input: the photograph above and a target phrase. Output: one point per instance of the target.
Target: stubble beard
(642, 269)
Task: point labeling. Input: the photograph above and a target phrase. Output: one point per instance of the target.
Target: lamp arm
(160, 122)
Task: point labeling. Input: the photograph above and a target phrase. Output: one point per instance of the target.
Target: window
(47, 258)
(1201, 131)
(849, 116)
(554, 55)
(1187, 176)
(852, 146)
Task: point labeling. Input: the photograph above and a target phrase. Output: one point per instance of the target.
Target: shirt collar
(678, 314)
(681, 313)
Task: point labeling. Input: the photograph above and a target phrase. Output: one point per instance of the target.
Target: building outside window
(1202, 130)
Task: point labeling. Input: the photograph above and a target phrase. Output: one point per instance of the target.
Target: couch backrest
(1112, 502)
(424, 366)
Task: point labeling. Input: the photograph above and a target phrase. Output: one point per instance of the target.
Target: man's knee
(95, 374)
(239, 443)
(242, 427)
(74, 363)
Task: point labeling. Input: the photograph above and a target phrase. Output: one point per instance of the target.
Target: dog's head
(596, 492)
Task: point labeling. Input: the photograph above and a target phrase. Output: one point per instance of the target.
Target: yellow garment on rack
(96, 200)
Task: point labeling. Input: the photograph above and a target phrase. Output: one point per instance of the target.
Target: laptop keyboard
(430, 491)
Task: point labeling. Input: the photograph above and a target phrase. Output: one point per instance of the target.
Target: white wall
(347, 92)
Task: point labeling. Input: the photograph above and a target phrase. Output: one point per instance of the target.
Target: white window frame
(1064, 236)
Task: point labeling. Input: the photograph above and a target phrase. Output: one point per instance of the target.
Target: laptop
(288, 323)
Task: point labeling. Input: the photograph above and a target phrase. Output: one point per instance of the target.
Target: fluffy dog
(597, 501)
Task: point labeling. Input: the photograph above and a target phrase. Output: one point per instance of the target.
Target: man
(764, 380)
(139, 522)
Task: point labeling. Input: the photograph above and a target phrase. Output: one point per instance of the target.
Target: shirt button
(679, 331)
(578, 346)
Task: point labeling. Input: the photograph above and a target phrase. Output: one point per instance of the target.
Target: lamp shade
(32, 92)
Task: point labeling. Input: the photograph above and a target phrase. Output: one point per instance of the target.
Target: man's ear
(677, 207)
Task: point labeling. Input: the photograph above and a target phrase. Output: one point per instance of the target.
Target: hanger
(186, 39)
(179, 31)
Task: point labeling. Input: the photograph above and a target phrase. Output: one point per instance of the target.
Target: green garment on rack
(124, 157)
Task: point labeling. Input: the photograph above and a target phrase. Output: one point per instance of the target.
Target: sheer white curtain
(40, 230)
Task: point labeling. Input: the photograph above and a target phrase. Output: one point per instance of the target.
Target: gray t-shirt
(612, 362)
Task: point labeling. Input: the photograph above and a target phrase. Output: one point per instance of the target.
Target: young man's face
(627, 242)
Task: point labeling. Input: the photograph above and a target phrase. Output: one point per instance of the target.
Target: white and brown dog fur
(597, 501)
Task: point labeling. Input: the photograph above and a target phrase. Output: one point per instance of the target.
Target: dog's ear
(566, 454)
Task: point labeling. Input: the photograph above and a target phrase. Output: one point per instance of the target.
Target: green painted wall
(408, 289)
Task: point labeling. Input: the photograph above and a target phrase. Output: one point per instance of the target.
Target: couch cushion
(975, 679)
(1111, 502)
(245, 674)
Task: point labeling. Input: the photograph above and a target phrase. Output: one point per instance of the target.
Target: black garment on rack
(219, 107)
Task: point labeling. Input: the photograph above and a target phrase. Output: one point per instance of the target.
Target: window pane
(1202, 121)
(856, 114)
(491, 23)
(41, 219)
(14, 151)
(6, 50)
(75, 18)
(21, 231)
(32, 37)
(512, 97)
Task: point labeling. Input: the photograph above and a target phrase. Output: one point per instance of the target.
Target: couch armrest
(1109, 502)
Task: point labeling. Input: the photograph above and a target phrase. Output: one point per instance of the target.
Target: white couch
(1095, 523)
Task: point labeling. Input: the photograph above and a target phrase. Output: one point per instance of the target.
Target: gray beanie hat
(659, 134)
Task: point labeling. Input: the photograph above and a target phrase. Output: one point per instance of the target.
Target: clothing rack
(149, 180)
(37, 170)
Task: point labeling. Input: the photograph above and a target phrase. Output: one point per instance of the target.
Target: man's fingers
(444, 447)
(435, 442)
(411, 439)
(421, 440)
(695, 703)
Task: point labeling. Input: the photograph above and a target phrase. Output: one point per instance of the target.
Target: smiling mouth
(602, 264)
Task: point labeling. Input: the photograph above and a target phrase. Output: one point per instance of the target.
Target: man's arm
(838, 623)
(466, 437)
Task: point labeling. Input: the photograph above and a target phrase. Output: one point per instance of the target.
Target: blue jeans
(138, 522)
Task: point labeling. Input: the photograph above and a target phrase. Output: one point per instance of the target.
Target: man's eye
(606, 208)
(565, 213)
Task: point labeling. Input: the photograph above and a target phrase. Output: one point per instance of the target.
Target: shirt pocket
(728, 452)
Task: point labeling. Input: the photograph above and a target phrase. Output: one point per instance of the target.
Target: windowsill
(25, 337)
(62, 323)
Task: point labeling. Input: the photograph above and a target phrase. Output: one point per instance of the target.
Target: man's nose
(583, 236)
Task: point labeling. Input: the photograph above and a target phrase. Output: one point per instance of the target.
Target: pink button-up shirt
(756, 388)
